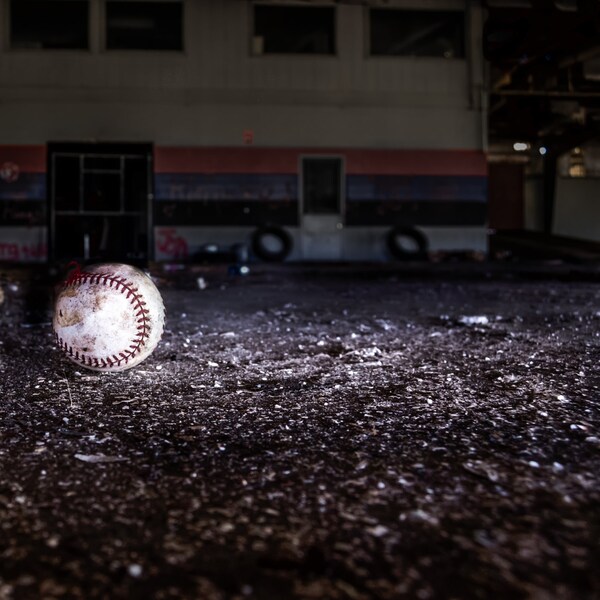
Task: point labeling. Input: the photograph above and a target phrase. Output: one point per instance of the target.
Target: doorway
(506, 208)
(99, 195)
(322, 207)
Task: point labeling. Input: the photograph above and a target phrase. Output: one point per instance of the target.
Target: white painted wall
(577, 209)
(533, 204)
(23, 244)
(214, 90)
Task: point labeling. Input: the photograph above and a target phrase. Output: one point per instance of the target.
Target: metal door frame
(342, 197)
(142, 150)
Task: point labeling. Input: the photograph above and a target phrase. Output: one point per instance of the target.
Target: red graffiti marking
(25, 252)
(172, 244)
(34, 251)
(9, 252)
(9, 171)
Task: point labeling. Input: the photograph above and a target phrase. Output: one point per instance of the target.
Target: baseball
(108, 317)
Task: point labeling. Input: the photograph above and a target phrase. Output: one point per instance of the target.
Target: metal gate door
(99, 202)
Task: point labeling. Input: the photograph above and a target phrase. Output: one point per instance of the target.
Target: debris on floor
(306, 437)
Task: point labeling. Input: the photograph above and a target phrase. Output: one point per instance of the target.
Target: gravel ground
(310, 436)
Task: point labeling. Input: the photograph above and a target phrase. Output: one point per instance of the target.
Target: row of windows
(277, 29)
(64, 25)
(392, 32)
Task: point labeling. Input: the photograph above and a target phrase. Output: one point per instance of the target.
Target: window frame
(367, 33)
(292, 55)
(103, 30)
(6, 28)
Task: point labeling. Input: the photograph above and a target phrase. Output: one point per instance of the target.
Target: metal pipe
(545, 93)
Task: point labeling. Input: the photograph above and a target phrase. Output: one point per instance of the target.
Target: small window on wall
(575, 163)
(49, 24)
(417, 33)
(294, 29)
(144, 25)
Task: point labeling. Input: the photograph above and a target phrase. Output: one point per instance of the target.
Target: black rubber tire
(400, 252)
(263, 251)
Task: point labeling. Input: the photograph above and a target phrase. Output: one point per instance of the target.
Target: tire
(407, 243)
(271, 244)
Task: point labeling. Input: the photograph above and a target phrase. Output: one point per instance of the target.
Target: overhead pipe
(546, 93)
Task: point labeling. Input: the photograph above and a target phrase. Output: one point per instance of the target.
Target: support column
(549, 190)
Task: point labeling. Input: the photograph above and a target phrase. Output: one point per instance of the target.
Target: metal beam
(546, 93)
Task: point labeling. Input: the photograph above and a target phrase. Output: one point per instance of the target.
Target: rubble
(306, 437)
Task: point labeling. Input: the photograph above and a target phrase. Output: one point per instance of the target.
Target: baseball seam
(141, 312)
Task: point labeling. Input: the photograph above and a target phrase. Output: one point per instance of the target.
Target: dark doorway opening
(322, 186)
(98, 197)
(506, 196)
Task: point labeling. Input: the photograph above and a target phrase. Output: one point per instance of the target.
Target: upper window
(144, 25)
(417, 33)
(294, 29)
(56, 24)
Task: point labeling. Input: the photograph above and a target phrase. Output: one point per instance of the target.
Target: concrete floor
(306, 434)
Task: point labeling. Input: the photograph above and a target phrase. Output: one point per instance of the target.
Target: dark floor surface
(310, 436)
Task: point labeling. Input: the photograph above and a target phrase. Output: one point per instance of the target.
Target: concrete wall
(214, 90)
(577, 210)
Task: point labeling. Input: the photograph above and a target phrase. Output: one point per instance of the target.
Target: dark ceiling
(544, 59)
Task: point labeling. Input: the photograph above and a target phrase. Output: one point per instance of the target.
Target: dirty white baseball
(108, 317)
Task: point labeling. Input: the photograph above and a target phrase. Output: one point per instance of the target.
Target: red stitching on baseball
(79, 277)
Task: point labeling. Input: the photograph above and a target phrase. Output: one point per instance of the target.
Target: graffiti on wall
(171, 244)
(20, 244)
(9, 171)
(224, 187)
(23, 252)
(22, 212)
(18, 185)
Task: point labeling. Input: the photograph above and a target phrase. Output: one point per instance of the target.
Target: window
(321, 184)
(417, 33)
(49, 24)
(294, 29)
(144, 25)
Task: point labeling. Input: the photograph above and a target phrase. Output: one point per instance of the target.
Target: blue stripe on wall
(248, 187)
(28, 186)
(416, 188)
(282, 187)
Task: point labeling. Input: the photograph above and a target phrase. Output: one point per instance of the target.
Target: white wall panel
(214, 89)
(577, 209)
(223, 125)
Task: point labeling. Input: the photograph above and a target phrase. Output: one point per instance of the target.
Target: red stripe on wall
(416, 162)
(286, 160)
(225, 160)
(28, 158)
